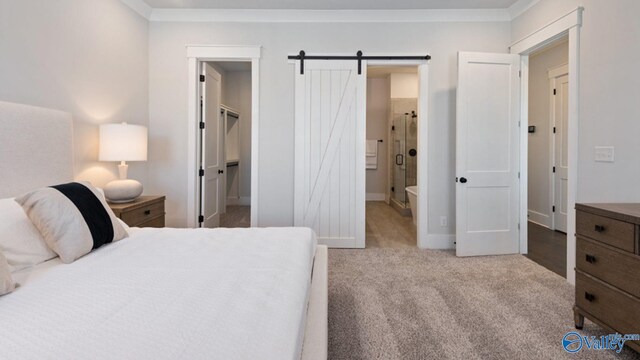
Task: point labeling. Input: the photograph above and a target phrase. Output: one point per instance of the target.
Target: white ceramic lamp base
(122, 191)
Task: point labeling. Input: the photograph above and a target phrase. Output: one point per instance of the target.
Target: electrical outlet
(443, 221)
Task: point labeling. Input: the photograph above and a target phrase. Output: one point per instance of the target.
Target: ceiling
(331, 4)
(233, 65)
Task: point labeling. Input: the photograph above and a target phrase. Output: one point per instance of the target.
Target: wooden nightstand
(145, 211)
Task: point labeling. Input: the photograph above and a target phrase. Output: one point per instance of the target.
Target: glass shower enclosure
(404, 135)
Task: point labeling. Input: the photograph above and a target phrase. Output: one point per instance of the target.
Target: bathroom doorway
(391, 156)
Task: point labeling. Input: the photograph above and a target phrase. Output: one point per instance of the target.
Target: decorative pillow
(20, 242)
(73, 218)
(6, 283)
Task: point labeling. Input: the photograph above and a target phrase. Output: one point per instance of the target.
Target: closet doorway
(224, 144)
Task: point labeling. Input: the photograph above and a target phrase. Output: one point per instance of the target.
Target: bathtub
(412, 191)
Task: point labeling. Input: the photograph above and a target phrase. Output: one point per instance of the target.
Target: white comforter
(167, 294)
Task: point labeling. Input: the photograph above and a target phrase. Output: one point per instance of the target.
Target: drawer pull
(599, 228)
(590, 297)
(147, 212)
(590, 258)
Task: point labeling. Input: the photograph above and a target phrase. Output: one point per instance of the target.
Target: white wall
(236, 93)
(378, 129)
(168, 98)
(88, 58)
(404, 86)
(540, 147)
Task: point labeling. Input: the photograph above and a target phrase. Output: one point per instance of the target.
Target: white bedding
(167, 294)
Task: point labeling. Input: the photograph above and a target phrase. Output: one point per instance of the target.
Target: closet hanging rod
(302, 56)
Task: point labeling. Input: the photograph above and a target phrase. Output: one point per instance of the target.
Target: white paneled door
(487, 154)
(212, 160)
(561, 169)
(330, 109)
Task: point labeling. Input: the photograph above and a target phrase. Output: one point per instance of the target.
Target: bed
(159, 293)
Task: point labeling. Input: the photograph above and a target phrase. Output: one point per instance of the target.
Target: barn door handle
(401, 161)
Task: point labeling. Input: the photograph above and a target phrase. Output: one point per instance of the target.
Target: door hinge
(518, 174)
(554, 91)
(201, 78)
(200, 219)
(519, 73)
(201, 172)
(393, 189)
(393, 128)
(518, 226)
(518, 123)
(554, 169)
(201, 125)
(554, 129)
(553, 208)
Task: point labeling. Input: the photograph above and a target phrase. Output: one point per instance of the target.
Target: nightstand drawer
(615, 267)
(607, 304)
(143, 214)
(610, 231)
(154, 223)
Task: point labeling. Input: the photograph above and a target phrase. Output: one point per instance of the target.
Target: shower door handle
(401, 161)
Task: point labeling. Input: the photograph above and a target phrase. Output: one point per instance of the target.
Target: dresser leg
(579, 319)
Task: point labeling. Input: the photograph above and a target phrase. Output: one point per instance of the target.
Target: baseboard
(439, 242)
(376, 197)
(242, 200)
(539, 218)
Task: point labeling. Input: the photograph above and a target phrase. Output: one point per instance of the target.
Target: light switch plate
(604, 154)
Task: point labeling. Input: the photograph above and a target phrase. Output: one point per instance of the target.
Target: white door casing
(212, 161)
(560, 116)
(330, 109)
(487, 154)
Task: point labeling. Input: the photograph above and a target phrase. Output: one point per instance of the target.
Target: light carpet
(425, 304)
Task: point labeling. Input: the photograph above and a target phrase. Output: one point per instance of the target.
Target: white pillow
(20, 241)
(6, 282)
(73, 218)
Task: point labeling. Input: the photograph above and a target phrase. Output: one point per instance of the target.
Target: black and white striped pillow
(73, 218)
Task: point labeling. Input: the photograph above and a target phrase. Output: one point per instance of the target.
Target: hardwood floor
(386, 228)
(548, 248)
(236, 216)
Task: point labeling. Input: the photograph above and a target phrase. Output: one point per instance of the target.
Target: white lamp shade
(123, 142)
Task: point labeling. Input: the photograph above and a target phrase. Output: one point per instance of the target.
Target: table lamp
(123, 142)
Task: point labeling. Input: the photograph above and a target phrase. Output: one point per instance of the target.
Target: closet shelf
(233, 162)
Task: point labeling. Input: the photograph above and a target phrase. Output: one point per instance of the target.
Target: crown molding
(140, 7)
(328, 16)
(520, 7)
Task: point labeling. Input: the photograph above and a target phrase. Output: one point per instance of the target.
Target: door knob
(463, 180)
(220, 171)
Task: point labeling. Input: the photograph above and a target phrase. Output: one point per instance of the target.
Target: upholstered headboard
(36, 148)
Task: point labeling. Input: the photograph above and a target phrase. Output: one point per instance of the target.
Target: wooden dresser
(608, 267)
(145, 211)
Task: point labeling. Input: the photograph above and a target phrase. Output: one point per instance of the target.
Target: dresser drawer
(615, 267)
(607, 304)
(140, 215)
(613, 232)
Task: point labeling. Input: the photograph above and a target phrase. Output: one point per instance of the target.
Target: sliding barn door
(330, 114)
(487, 148)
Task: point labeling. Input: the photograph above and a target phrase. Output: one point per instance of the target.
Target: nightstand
(145, 211)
